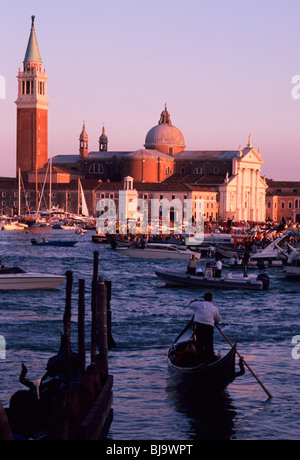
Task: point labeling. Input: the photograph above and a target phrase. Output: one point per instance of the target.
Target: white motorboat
(159, 251)
(62, 225)
(213, 239)
(276, 253)
(11, 224)
(17, 279)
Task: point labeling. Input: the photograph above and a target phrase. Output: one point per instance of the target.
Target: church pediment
(251, 155)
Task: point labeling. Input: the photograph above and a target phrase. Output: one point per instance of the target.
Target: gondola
(187, 372)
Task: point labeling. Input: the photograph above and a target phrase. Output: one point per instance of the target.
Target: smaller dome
(103, 137)
(103, 141)
(83, 135)
(165, 137)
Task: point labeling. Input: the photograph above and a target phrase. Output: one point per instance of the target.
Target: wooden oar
(261, 384)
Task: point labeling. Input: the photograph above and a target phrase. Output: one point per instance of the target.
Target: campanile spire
(32, 55)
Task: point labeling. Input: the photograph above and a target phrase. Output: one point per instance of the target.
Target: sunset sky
(224, 68)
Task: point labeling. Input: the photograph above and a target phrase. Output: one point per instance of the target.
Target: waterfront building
(283, 201)
(229, 181)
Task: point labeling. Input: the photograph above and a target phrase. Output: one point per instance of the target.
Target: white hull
(292, 272)
(28, 281)
(275, 253)
(12, 227)
(156, 253)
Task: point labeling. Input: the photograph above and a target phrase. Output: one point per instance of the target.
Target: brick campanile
(32, 110)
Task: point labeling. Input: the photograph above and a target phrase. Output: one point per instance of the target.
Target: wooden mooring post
(83, 411)
(5, 431)
(98, 419)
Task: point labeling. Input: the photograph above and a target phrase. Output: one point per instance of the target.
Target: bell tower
(83, 143)
(32, 109)
(103, 141)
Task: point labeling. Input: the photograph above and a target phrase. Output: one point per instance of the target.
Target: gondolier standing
(206, 316)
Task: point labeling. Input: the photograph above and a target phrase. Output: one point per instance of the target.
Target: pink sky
(224, 69)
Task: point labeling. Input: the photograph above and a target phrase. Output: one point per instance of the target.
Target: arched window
(96, 168)
(168, 171)
(198, 171)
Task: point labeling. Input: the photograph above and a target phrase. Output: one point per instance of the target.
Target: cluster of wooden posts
(85, 411)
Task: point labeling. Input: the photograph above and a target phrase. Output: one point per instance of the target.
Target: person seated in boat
(186, 355)
(192, 265)
(206, 316)
(199, 271)
(218, 268)
(232, 261)
(1, 265)
(44, 240)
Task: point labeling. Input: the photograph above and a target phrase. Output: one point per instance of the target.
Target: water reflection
(210, 417)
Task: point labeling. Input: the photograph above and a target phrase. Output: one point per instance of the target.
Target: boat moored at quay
(159, 251)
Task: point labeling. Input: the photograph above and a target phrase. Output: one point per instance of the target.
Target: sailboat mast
(19, 189)
(50, 187)
(78, 199)
(36, 193)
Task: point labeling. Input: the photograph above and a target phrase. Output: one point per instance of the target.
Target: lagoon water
(146, 317)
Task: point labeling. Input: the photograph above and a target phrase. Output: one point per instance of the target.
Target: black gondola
(188, 373)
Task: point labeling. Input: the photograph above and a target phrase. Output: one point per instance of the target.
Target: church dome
(165, 137)
(103, 137)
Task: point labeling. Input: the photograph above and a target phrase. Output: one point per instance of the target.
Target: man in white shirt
(218, 268)
(206, 316)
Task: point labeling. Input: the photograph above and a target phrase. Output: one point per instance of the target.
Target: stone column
(256, 194)
(243, 195)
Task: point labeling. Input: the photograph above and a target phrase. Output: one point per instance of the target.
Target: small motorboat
(159, 251)
(114, 241)
(53, 243)
(63, 225)
(17, 279)
(228, 253)
(98, 238)
(188, 373)
(7, 223)
(80, 231)
(228, 281)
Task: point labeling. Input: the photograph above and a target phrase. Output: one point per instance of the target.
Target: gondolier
(206, 316)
